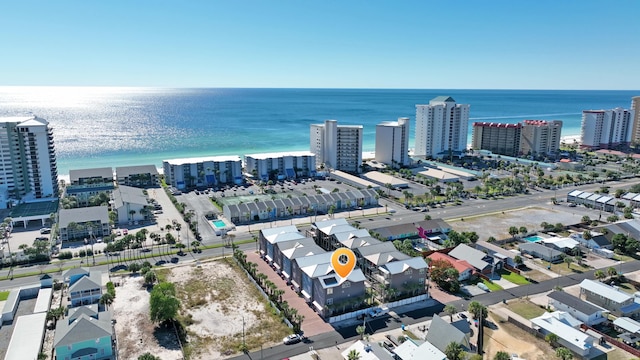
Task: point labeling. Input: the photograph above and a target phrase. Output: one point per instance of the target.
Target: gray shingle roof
(125, 171)
(441, 334)
(82, 215)
(93, 281)
(105, 172)
(471, 255)
(574, 302)
(82, 329)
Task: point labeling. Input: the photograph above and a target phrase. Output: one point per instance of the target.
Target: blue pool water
(532, 238)
(219, 223)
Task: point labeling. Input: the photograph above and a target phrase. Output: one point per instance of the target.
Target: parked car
(379, 311)
(45, 231)
(292, 339)
(125, 232)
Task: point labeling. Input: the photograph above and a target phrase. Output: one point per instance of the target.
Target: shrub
(65, 255)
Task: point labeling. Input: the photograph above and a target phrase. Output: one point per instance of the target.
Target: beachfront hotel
(606, 129)
(203, 171)
(441, 128)
(392, 142)
(28, 169)
(502, 139)
(284, 165)
(337, 147)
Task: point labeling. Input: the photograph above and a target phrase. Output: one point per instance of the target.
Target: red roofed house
(464, 268)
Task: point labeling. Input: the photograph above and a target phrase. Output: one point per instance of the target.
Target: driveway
(313, 324)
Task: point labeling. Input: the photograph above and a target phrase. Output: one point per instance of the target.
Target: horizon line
(299, 88)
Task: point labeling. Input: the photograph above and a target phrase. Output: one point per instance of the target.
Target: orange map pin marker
(343, 262)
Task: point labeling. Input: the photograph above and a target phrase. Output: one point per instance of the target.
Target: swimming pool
(218, 224)
(532, 238)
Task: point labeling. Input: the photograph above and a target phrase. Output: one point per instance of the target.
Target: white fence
(390, 305)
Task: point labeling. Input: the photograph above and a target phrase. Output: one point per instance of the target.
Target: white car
(292, 339)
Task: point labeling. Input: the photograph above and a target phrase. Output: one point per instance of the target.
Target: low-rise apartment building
(86, 183)
(83, 223)
(285, 165)
(203, 171)
(141, 176)
(610, 298)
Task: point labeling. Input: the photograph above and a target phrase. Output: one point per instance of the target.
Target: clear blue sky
(474, 44)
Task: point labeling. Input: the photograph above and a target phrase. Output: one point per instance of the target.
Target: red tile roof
(460, 265)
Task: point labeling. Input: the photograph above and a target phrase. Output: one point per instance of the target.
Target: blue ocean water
(96, 126)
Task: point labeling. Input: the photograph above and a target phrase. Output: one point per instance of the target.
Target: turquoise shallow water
(532, 238)
(219, 223)
(131, 126)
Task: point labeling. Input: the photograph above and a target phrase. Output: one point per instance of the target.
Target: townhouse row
(304, 260)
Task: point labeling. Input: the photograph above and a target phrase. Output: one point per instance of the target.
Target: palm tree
(450, 310)
(353, 355)
(568, 260)
(478, 311)
(106, 299)
(611, 271)
(454, 351)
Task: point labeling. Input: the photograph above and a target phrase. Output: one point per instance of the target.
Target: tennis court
(34, 209)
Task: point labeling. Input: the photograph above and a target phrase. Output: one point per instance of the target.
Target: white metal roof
(605, 290)
(279, 154)
(557, 323)
(197, 160)
(627, 324)
(27, 336)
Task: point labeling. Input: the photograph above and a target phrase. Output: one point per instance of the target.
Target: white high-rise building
(337, 147)
(28, 169)
(606, 129)
(441, 128)
(392, 142)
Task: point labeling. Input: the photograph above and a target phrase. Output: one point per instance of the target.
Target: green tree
(501, 355)
(513, 231)
(107, 299)
(478, 311)
(134, 267)
(518, 260)
(600, 275)
(551, 338)
(150, 278)
(454, 351)
(450, 310)
(360, 330)
(612, 272)
(353, 355)
(163, 303)
(564, 353)
(568, 260)
(523, 230)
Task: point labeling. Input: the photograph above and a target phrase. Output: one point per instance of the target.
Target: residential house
(433, 226)
(141, 176)
(464, 268)
(81, 223)
(85, 337)
(370, 258)
(323, 288)
(74, 274)
(46, 281)
(625, 324)
(564, 244)
(131, 204)
(587, 313)
(597, 240)
(285, 252)
(406, 277)
(268, 237)
(86, 183)
(628, 228)
(611, 298)
(482, 262)
(541, 251)
(442, 333)
(418, 350)
(323, 232)
(397, 232)
(367, 351)
(86, 290)
(566, 328)
(504, 255)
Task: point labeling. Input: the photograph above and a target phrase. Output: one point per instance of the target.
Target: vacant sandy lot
(508, 337)
(531, 218)
(216, 301)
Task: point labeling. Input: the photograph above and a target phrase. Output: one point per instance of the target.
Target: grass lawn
(514, 278)
(562, 269)
(492, 286)
(536, 275)
(525, 308)
(4, 295)
(621, 257)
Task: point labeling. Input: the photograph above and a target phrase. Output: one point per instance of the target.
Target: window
(409, 271)
(330, 291)
(330, 301)
(346, 285)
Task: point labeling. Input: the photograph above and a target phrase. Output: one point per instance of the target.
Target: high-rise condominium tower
(606, 129)
(441, 128)
(337, 147)
(392, 142)
(28, 168)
